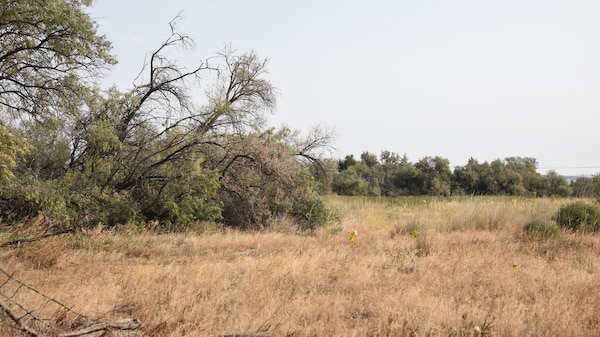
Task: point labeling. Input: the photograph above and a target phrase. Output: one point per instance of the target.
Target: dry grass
(419, 268)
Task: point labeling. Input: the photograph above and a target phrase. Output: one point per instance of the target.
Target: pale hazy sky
(452, 78)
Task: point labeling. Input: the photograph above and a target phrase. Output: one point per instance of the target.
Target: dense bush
(79, 155)
(539, 228)
(579, 216)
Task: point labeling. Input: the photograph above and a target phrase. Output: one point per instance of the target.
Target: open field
(419, 267)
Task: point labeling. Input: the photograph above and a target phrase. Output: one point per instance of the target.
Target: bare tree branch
(18, 320)
(26, 321)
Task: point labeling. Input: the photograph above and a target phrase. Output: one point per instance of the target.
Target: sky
(457, 79)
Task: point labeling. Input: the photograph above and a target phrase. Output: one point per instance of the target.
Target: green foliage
(110, 208)
(596, 182)
(407, 180)
(539, 228)
(348, 182)
(435, 176)
(11, 148)
(182, 198)
(101, 138)
(261, 181)
(585, 187)
(369, 159)
(579, 216)
(149, 154)
(470, 179)
(315, 214)
(511, 176)
(176, 208)
(391, 164)
(48, 51)
(31, 196)
(347, 162)
(49, 149)
(557, 185)
(323, 171)
(393, 175)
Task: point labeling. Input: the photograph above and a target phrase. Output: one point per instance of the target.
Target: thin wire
(569, 167)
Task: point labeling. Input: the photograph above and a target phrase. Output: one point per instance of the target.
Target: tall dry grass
(420, 267)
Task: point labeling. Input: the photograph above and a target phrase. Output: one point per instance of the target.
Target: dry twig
(13, 294)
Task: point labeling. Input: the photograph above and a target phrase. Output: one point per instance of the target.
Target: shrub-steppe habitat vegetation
(464, 266)
(144, 212)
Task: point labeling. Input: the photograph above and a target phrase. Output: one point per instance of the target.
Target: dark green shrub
(578, 216)
(539, 228)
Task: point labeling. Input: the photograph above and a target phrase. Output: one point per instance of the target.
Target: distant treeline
(394, 175)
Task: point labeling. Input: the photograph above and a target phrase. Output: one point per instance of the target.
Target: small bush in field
(539, 228)
(578, 216)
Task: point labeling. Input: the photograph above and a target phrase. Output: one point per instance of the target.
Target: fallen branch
(48, 298)
(18, 320)
(124, 324)
(17, 241)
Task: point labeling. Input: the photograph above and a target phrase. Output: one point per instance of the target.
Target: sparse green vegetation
(543, 229)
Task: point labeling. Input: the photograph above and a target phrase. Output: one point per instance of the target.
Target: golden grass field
(419, 267)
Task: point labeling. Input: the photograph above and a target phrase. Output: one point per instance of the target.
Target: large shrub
(579, 216)
(148, 154)
(261, 180)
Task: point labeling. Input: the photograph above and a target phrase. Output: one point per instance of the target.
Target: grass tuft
(541, 229)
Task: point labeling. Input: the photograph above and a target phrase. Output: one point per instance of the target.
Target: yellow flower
(353, 237)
